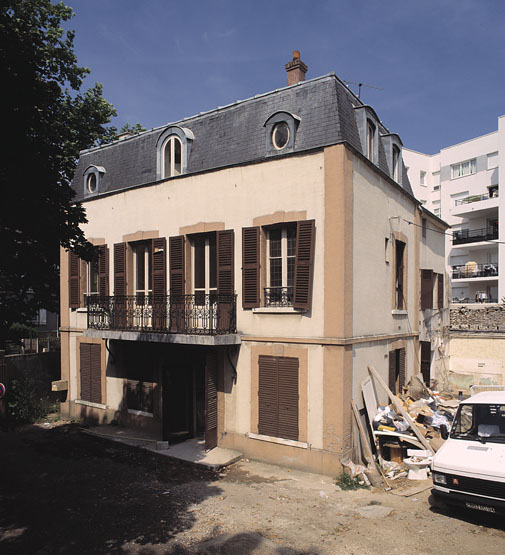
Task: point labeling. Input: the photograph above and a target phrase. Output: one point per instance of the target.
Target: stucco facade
(362, 247)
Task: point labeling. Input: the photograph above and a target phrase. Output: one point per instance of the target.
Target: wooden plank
(399, 407)
(364, 438)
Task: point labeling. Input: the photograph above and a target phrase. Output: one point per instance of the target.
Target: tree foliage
(47, 121)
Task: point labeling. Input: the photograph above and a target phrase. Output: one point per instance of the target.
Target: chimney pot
(296, 69)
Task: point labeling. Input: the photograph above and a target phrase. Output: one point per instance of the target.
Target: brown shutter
(288, 397)
(426, 361)
(225, 243)
(159, 279)
(120, 269)
(95, 373)
(426, 289)
(302, 294)
(268, 399)
(103, 271)
(440, 293)
(176, 259)
(250, 267)
(211, 400)
(392, 371)
(73, 281)
(85, 371)
(401, 370)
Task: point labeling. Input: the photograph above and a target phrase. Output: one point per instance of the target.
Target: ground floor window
(91, 372)
(139, 396)
(278, 397)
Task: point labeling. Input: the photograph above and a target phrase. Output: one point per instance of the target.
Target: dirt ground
(62, 491)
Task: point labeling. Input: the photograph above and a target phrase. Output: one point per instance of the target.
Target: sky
(436, 67)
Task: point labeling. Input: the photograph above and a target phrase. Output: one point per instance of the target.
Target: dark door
(177, 404)
(426, 361)
(211, 400)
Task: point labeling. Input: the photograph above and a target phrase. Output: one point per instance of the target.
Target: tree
(46, 122)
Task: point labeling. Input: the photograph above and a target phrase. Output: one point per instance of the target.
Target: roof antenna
(362, 85)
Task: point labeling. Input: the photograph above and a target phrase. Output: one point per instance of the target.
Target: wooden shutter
(440, 292)
(103, 271)
(159, 267)
(302, 294)
(268, 396)
(401, 370)
(426, 361)
(211, 400)
(288, 397)
(85, 371)
(392, 371)
(224, 247)
(95, 373)
(176, 262)
(426, 289)
(120, 269)
(73, 281)
(250, 267)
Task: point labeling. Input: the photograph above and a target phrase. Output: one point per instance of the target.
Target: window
(204, 267)
(92, 183)
(426, 361)
(93, 176)
(278, 397)
(427, 281)
(396, 370)
(436, 211)
(281, 266)
(142, 260)
(396, 163)
(172, 161)
(139, 396)
(440, 291)
(90, 355)
(422, 178)
(280, 135)
(370, 141)
(281, 128)
(423, 221)
(93, 277)
(492, 160)
(463, 168)
(436, 188)
(400, 271)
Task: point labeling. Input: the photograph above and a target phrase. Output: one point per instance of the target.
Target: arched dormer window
(396, 162)
(370, 140)
(393, 150)
(281, 128)
(368, 129)
(173, 149)
(93, 179)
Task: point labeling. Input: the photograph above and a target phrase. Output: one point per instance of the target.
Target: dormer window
(393, 149)
(172, 153)
(280, 135)
(93, 179)
(370, 141)
(281, 129)
(173, 150)
(396, 163)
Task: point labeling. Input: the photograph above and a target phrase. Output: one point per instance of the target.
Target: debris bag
(356, 470)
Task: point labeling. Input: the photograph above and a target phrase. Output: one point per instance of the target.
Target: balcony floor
(180, 338)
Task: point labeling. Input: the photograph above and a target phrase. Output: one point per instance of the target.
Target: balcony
(472, 270)
(194, 315)
(477, 205)
(466, 236)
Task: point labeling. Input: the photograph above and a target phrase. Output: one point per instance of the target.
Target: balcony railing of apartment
(199, 314)
(477, 198)
(474, 235)
(278, 296)
(479, 299)
(474, 270)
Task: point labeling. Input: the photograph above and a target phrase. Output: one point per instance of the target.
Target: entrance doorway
(190, 401)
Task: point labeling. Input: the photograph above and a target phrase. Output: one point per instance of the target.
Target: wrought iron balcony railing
(278, 296)
(474, 270)
(474, 235)
(199, 314)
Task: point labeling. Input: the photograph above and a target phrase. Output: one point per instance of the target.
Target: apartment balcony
(473, 271)
(205, 319)
(477, 205)
(466, 236)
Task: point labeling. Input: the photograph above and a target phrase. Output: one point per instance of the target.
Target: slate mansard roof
(236, 134)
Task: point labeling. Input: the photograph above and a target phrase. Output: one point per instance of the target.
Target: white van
(469, 469)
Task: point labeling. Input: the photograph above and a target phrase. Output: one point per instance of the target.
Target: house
(253, 260)
(461, 184)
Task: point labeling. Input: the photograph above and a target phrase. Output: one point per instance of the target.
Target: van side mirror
(444, 432)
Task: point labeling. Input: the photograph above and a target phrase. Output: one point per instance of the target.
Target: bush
(24, 405)
(346, 481)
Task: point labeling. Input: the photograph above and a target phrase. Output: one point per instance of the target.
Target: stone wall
(479, 317)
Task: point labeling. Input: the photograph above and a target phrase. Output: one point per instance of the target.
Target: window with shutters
(287, 254)
(204, 267)
(90, 355)
(92, 281)
(142, 260)
(397, 370)
(427, 281)
(278, 397)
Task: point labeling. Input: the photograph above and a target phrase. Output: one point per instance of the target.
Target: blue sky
(440, 63)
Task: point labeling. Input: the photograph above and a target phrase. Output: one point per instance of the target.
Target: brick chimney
(296, 69)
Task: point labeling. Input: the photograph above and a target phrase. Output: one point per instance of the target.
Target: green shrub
(346, 481)
(24, 405)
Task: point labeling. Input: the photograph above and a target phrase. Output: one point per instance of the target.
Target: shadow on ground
(62, 491)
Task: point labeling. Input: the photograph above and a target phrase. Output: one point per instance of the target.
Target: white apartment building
(461, 184)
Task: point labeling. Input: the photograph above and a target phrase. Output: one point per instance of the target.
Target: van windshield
(480, 423)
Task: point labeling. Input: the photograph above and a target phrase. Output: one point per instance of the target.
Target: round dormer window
(92, 182)
(280, 135)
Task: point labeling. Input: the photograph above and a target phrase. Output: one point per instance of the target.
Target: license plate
(480, 507)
